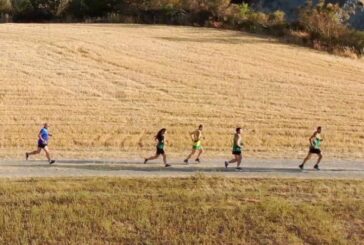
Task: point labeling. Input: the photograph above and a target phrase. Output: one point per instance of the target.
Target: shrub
(328, 29)
(5, 6)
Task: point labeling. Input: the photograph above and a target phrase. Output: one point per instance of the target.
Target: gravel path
(343, 169)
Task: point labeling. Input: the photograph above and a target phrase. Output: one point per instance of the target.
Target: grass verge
(185, 210)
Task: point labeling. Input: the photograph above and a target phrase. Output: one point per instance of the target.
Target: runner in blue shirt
(43, 138)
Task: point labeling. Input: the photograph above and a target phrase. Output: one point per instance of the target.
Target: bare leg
(34, 152)
(27, 154)
(231, 161)
(319, 159)
(234, 160)
(46, 150)
(308, 157)
(239, 160)
(152, 158)
(192, 153)
(164, 159)
(199, 153)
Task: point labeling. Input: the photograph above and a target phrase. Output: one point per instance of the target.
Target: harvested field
(106, 89)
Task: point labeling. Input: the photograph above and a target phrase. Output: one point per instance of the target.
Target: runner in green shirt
(160, 138)
(315, 148)
(237, 150)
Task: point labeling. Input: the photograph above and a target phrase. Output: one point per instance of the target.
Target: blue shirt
(44, 134)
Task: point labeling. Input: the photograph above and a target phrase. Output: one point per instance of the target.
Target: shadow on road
(127, 166)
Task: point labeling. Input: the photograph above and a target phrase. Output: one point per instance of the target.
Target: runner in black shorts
(315, 148)
(160, 138)
(237, 149)
(43, 138)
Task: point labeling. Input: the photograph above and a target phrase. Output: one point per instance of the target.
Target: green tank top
(160, 144)
(317, 143)
(236, 148)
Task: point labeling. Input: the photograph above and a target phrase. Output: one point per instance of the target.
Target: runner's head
(200, 127)
(45, 125)
(319, 129)
(238, 130)
(161, 133)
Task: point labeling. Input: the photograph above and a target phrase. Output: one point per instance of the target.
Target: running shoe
(301, 166)
(239, 168)
(186, 161)
(145, 161)
(52, 161)
(197, 160)
(226, 164)
(316, 167)
(167, 165)
(26, 156)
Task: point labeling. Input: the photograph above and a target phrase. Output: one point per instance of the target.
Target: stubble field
(196, 210)
(106, 89)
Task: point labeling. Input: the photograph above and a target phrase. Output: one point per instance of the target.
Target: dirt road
(135, 168)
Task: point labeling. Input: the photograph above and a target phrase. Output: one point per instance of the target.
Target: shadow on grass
(220, 40)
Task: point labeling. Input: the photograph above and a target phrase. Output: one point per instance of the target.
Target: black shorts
(237, 153)
(315, 151)
(41, 144)
(160, 151)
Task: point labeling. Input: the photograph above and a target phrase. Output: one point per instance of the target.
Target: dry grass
(106, 90)
(196, 210)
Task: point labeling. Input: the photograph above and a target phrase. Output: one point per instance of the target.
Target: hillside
(106, 89)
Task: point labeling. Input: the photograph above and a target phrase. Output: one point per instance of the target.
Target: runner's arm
(240, 144)
(193, 134)
(312, 138)
(40, 136)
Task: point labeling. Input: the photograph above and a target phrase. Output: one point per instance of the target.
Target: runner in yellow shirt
(196, 137)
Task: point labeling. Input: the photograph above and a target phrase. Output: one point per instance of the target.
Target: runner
(315, 148)
(237, 148)
(43, 138)
(160, 137)
(196, 137)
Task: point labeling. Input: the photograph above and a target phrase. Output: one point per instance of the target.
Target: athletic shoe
(239, 168)
(52, 161)
(26, 156)
(301, 166)
(145, 161)
(167, 165)
(186, 161)
(316, 167)
(226, 164)
(198, 160)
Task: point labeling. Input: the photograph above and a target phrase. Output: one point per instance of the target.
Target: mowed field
(196, 210)
(106, 89)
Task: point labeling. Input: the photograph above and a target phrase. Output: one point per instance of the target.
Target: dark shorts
(159, 151)
(237, 153)
(315, 151)
(41, 144)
